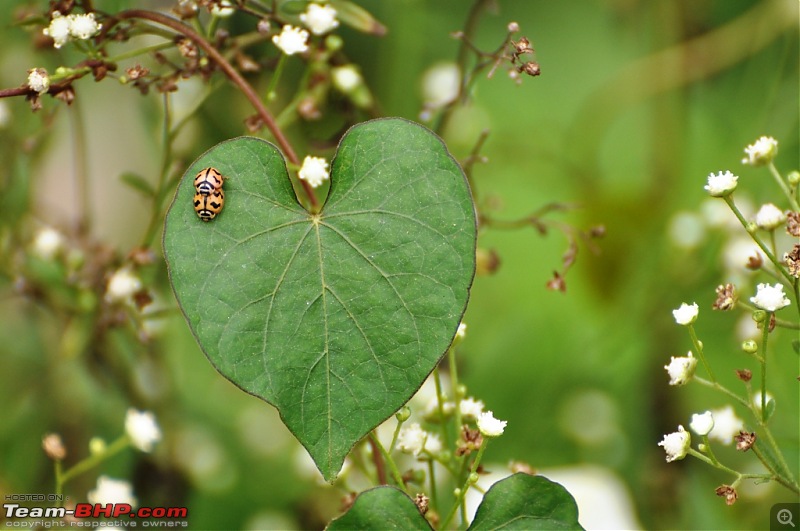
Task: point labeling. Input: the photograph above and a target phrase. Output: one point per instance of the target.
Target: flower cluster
(80, 27)
(722, 425)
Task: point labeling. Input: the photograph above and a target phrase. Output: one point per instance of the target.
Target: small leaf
(770, 409)
(381, 508)
(526, 502)
(138, 183)
(358, 18)
(335, 318)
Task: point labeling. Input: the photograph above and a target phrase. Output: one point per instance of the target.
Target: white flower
(291, 40)
(346, 78)
(471, 408)
(83, 26)
(490, 426)
(314, 170)
(761, 152)
(223, 9)
(59, 29)
(111, 491)
(142, 429)
(702, 423)
(681, 369)
(441, 84)
(319, 19)
(461, 333)
(414, 440)
(48, 242)
(686, 314)
(676, 444)
(721, 184)
(726, 425)
(122, 285)
(770, 217)
(433, 445)
(38, 80)
(770, 298)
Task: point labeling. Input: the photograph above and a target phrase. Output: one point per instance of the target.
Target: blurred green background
(637, 103)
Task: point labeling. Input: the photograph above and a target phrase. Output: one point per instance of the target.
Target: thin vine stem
(235, 77)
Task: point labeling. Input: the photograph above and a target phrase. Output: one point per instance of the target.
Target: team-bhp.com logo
(87, 515)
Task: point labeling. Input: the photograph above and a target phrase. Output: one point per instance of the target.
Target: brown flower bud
(531, 68)
(793, 223)
(728, 492)
(726, 297)
(744, 375)
(421, 501)
(745, 441)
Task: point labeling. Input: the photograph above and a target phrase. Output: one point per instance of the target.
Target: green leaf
(526, 502)
(335, 318)
(381, 508)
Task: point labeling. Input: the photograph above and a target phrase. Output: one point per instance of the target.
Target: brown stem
(378, 461)
(233, 75)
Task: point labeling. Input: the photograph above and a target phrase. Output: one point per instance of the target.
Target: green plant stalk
(708, 449)
(783, 477)
(470, 27)
(166, 156)
(140, 51)
(763, 363)
(59, 474)
(782, 184)
(90, 462)
(451, 357)
(398, 478)
(778, 266)
(440, 399)
(716, 464)
(699, 348)
(81, 170)
(432, 480)
(276, 76)
(463, 490)
(396, 433)
(723, 389)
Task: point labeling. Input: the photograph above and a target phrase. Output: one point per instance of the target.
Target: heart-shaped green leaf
(381, 508)
(334, 318)
(526, 502)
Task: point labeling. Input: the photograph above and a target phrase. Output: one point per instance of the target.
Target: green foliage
(335, 318)
(524, 502)
(381, 508)
(520, 501)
